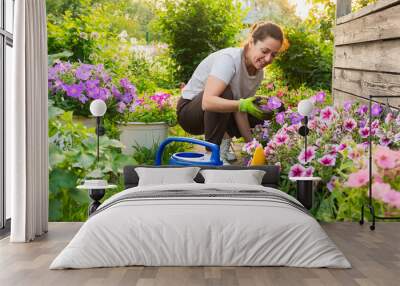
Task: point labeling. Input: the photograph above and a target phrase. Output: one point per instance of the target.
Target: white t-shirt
(227, 65)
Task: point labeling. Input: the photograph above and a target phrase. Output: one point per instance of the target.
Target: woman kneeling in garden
(218, 100)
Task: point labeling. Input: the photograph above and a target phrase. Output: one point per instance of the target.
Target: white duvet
(200, 231)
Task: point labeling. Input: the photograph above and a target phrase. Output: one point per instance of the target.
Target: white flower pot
(89, 122)
(142, 134)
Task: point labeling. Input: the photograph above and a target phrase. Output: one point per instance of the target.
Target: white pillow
(166, 176)
(249, 177)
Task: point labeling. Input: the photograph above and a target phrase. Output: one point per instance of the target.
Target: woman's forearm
(212, 100)
(242, 122)
(219, 104)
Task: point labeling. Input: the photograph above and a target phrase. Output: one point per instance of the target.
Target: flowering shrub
(155, 108)
(72, 87)
(338, 137)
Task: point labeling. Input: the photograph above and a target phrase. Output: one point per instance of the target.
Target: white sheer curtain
(27, 139)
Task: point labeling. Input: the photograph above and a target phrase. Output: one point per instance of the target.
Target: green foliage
(358, 4)
(307, 61)
(154, 108)
(280, 12)
(72, 157)
(195, 28)
(146, 156)
(321, 18)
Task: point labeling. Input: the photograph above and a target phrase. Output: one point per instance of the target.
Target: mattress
(201, 225)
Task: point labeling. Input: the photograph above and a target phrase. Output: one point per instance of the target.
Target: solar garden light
(305, 108)
(98, 108)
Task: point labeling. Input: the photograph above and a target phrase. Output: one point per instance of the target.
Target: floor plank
(375, 257)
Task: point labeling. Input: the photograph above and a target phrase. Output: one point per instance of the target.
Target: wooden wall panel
(380, 56)
(378, 26)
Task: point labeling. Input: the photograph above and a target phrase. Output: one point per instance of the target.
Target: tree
(195, 28)
(278, 11)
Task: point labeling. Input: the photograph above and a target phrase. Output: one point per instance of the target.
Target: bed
(201, 224)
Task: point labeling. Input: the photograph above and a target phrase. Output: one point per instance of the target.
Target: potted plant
(146, 121)
(72, 87)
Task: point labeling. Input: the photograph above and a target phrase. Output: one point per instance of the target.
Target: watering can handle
(214, 148)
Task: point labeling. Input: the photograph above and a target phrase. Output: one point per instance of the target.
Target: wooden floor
(375, 257)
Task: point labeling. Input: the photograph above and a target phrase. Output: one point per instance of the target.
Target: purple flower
(297, 170)
(92, 83)
(58, 84)
(265, 134)
(320, 96)
(83, 98)
(328, 160)
(363, 109)
(93, 92)
(331, 184)
(104, 94)
(274, 103)
(127, 85)
(349, 124)
(295, 118)
(305, 157)
(134, 105)
(116, 93)
(83, 72)
(364, 132)
(347, 105)
(121, 107)
(53, 73)
(362, 123)
(74, 90)
(127, 97)
(376, 109)
(280, 118)
(396, 138)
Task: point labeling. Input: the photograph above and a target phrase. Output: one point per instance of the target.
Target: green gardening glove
(247, 105)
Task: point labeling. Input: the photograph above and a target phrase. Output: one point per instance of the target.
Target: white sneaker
(224, 150)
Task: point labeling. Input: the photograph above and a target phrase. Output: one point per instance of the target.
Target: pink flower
(306, 157)
(384, 141)
(385, 158)
(358, 179)
(270, 86)
(350, 124)
(392, 198)
(364, 132)
(328, 160)
(379, 190)
(281, 138)
(309, 172)
(389, 118)
(296, 170)
(375, 124)
(280, 93)
(327, 114)
(333, 150)
(342, 147)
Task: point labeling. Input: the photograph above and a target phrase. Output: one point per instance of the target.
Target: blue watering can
(190, 158)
